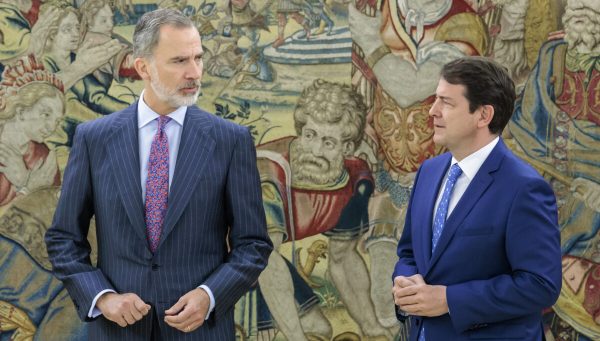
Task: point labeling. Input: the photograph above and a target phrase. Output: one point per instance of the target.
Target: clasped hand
(187, 315)
(416, 297)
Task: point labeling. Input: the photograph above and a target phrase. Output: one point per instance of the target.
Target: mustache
(190, 84)
(308, 158)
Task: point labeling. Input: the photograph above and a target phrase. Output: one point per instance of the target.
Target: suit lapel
(195, 148)
(483, 179)
(435, 177)
(124, 157)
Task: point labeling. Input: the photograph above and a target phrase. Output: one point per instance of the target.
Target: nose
(434, 110)
(195, 70)
(316, 147)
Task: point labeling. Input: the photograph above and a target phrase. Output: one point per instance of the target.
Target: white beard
(587, 39)
(171, 96)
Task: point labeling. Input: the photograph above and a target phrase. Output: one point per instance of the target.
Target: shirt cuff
(94, 311)
(212, 300)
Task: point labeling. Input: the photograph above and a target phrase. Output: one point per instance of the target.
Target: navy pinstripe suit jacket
(215, 199)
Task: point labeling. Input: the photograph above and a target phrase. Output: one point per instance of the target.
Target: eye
(308, 134)
(443, 101)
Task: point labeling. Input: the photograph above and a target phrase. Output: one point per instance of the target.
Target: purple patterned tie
(157, 184)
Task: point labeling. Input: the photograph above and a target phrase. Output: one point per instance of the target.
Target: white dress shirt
(470, 166)
(147, 127)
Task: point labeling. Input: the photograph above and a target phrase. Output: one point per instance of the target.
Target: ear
(487, 113)
(348, 148)
(142, 66)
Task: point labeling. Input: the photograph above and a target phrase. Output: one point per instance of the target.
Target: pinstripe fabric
(215, 186)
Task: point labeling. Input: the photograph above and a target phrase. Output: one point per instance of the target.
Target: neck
(475, 145)
(158, 106)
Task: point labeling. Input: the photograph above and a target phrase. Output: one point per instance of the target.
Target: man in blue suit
(479, 257)
(176, 196)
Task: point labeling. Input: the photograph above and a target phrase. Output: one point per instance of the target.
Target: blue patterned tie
(440, 215)
(157, 184)
(442, 211)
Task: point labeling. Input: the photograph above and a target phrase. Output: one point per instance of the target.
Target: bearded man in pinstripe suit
(176, 196)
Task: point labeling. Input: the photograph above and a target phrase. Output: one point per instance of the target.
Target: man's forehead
(325, 128)
(447, 89)
(168, 34)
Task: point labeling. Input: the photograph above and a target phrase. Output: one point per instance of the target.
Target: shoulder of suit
(101, 121)
(103, 126)
(519, 174)
(217, 121)
(522, 169)
(436, 161)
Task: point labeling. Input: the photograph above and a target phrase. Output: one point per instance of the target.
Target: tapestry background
(259, 56)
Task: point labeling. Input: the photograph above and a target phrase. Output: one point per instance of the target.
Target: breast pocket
(474, 230)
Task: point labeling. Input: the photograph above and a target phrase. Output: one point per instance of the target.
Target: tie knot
(455, 172)
(162, 121)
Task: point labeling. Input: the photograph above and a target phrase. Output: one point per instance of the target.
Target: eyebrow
(198, 55)
(445, 98)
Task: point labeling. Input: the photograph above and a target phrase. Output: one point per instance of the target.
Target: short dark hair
(486, 83)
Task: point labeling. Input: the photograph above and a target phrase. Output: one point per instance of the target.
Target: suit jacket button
(155, 267)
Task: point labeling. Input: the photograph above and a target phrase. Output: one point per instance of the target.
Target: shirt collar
(147, 115)
(471, 164)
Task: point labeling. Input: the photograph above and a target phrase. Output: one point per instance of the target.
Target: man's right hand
(122, 309)
(401, 282)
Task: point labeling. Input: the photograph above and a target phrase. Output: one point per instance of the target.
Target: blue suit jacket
(499, 253)
(214, 231)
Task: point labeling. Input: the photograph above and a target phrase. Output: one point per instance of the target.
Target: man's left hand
(189, 313)
(422, 299)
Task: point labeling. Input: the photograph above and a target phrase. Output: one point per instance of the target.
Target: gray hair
(146, 34)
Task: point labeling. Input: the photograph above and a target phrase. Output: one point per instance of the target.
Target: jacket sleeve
(248, 239)
(66, 240)
(406, 265)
